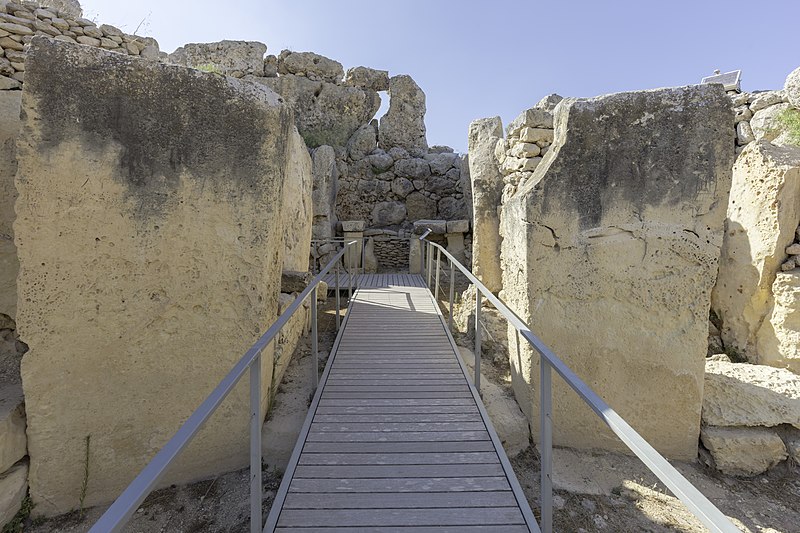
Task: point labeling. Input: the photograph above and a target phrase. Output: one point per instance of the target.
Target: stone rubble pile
(751, 416)
(793, 251)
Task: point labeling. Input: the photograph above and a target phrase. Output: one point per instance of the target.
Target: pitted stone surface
(742, 394)
(234, 58)
(404, 124)
(160, 281)
(607, 240)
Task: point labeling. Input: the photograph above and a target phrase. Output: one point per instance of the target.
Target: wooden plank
(400, 485)
(397, 417)
(363, 427)
(399, 447)
(398, 437)
(406, 500)
(362, 459)
(454, 516)
(406, 529)
(395, 402)
(432, 395)
(422, 381)
(388, 389)
(407, 410)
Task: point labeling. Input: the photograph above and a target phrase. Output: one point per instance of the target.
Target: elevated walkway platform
(397, 438)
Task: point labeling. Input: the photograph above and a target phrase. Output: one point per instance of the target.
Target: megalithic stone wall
(9, 127)
(610, 252)
(150, 242)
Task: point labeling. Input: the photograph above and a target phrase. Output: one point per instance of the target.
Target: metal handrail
(116, 516)
(694, 500)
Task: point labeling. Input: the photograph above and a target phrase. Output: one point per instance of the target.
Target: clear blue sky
(476, 59)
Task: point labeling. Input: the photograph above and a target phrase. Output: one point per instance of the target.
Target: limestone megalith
(610, 252)
(150, 240)
(404, 124)
(762, 217)
(487, 190)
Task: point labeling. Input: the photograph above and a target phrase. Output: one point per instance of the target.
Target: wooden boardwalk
(397, 439)
(374, 280)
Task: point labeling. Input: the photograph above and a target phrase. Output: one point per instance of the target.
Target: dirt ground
(595, 491)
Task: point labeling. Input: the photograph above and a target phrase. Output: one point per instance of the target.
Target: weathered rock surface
(367, 78)
(297, 209)
(71, 8)
(611, 239)
(233, 58)
(9, 128)
(778, 338)
(160, 281)
(766, 123)
(404, 124)
(363, 142)
(388, 213)
(757, 233)
(287, 340)
(487, 189)
(765, 99)
(741, 394)
(532, 118)
(310, 65)
(324, 192)
(743, 451)
(13, 442)
(13, 487)
(326, 114)
(549, 102)
(792, 88)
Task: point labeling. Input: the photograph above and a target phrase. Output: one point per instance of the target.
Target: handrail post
(349, 285)
(438, 268)
(363, 255)
(422, 245)
(314, 340)
(546, 443)
(430, 264)
(338, 304)
(452, 294)
(478, 339)
(255, 446)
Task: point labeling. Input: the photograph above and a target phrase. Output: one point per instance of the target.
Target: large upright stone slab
(150, 243)
(404, 124)
(9, 128)
(610, 253)
(763, 213)
(324, 192)
(487, 190)
(297, 205)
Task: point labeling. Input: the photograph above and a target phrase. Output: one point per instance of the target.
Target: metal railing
(695, 501)
(120, 512)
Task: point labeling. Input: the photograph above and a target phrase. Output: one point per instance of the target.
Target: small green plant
(85, 484)
(17, 524)
(790, 119)
(209, 67)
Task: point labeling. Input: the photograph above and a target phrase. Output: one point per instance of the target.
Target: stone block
(228, 57)
(13, 487)
(137, 304)
(297, 208)
(741, 394)
(487, 190)
(743, 451)
(353, 226)
(13, 441)
(455, 245)
(778, 338)
(438, 227)
(323, 199)
(761, 221)
(311, 65)
(457, 226)
(403, 124)
(532, 118)
(599, 250)
(367, 78)
(532, 135)
(415, 256)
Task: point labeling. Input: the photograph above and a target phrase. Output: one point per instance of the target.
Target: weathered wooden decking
(396, 438)
(374, 280)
